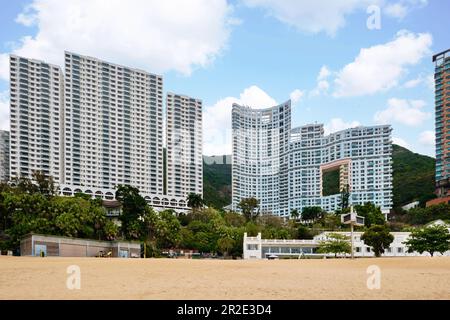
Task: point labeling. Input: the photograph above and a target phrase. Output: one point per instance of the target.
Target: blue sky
(256, 52)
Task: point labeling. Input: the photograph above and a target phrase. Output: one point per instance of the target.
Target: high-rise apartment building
(286, 169)
(113, 126)
(360, 158)
(184, 145)
(442, 90)
(260, 155)
(37, 104)
(4, 156)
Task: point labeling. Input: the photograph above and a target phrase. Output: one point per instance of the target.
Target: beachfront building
(360, 158)
(113, 126)
(290, 169)
(184, 145)
(56, 246)
(260, 156)
(4, 156)
(99, 126)
(258, 248)
(36, 114)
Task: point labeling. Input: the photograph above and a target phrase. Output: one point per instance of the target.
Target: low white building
(257, 248)
(411, 205)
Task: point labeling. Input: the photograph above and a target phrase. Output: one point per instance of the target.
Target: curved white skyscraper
(259, 161)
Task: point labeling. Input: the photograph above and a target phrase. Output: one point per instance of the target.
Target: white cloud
(427, 81)
(337, 124)
(28, 17)
(326, 15)
(296, 96)
(322, 83)
(154, 35)
(217, 119)
(396, 10)
(427, 138)
(324, 73)
(402, 8)
(407, 112)
(4, 110)
(413, 83)
(256, 98)
(311, 16)
(401, 142)
(380, 68)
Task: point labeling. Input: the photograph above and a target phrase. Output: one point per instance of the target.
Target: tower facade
(184, 145)
(442, 109)
(113, 126)
(4, 156)
(289, 169)
(260, 156)
(36, 118)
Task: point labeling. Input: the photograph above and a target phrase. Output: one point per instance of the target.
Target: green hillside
(413, 176)
(217, 181)
(413, 179)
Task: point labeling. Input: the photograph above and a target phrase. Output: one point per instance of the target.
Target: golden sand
(401, 278)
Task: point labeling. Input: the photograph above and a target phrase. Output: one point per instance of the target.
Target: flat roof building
(36, 118)
(55, 246)
(184, 145)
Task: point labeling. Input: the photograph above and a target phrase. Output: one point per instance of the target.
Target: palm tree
(194, 201)
(295, 214)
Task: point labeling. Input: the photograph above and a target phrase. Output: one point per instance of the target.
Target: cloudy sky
(339, 63)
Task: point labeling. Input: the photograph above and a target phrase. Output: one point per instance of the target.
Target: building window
(252, 247)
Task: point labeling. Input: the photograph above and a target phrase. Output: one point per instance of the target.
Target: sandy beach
(401, 278)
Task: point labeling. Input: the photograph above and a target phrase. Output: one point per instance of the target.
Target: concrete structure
(362, 155)
(442, 105)
(157, 201)
(257, 248)
(53, 246)
(411, 205)
(284, 168)
(113, 126)
(4, 156)
(184, 145)
(260, 156)
(100, 127)
(36, 119)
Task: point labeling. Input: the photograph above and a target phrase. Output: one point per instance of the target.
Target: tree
(431, 239)
(378, 237)
(194, 201)
(225, 245)
(295, 214)
(371, 213)
(167, 230)
(45, 184)
(249, 208)
(134, 211)
(336, 243)
(312, 213)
